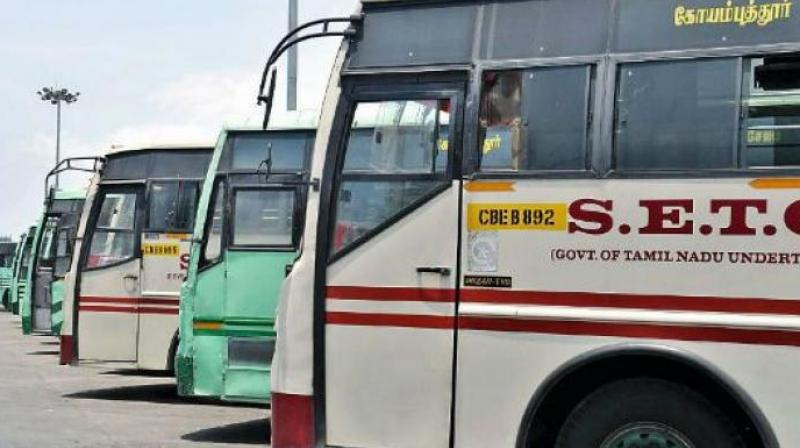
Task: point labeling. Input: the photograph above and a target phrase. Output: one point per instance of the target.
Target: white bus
(123, 289)
(601, 249)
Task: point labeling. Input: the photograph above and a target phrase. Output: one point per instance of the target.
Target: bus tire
(649, 412)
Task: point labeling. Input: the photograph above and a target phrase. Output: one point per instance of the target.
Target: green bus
(19, 284)
(246, 233)
(49, 261)
(8, 250)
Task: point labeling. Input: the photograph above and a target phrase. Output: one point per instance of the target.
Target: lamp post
(56, 97)
(291, 67)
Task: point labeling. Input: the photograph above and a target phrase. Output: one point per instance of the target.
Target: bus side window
(212, 250)
(536, 119)
(395, 155)
(771, 110)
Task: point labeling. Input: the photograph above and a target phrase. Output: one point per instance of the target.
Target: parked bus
(8, 250)
(246, 232)
(21, 268)
(122, 292)
(50, 257)
(14, 267)
(599, 252)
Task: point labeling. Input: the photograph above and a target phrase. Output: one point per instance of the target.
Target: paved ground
(43, 404)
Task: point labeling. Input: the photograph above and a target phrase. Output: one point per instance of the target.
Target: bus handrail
(68, 165)
(289, 41)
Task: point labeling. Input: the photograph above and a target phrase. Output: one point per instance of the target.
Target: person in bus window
(501, 121)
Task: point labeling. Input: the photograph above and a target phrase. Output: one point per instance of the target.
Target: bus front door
(391, 278)
(42, 298)
(166, 243)
(109, 289)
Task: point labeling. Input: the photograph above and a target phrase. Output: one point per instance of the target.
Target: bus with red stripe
(123, 289)
(576, 225)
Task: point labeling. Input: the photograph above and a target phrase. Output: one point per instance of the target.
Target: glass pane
(535, 119)
(46, 249)
(110, 247)
(213, 248)
(263, 218)
(63, 252)
(363, 205)
(399, 137)
(187, 206)
(389, 143)
(118, 211)
(288, 150)
(172, 205)
(771, 102)
(163, 205)
(676, 115)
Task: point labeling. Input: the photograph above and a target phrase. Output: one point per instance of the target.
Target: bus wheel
(647, 413)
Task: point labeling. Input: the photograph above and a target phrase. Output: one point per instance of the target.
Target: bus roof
(398, 33)
(120, 149)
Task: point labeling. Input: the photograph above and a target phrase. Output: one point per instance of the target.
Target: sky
(166, 71)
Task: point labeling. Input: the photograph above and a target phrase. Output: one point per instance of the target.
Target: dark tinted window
(771, 111)
(180, 163)
(212, 250)
(172, 205)
(288, 150)
(536, 119)
(676, 115)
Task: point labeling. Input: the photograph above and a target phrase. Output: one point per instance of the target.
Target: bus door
(390, 284)
(44, 276)
(171, 206)
(108, 287)
(262, 244)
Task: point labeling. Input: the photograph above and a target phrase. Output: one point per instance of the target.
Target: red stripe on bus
(390, 293)
(571, 328)
(127, 310)
(626, 330)
(389, 320)
(130, 300)
(89, 299)
(636, 301)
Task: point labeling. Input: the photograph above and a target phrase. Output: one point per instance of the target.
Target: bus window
(535, 119)
(771, 103)
(63, 254)
(172, 205)
(263, 217)
(114, 238)
(676, 115)
(213, 238)
(288, 150)
(396, 153)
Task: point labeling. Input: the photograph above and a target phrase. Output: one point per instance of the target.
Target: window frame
(220, 181)
(603, 115)
(389, 90)
(231, 228)
(138, 191)
(182, 184)
(592, 98)
(740, 171)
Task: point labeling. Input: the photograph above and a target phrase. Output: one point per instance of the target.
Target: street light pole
(56, 97)
(291, 68)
